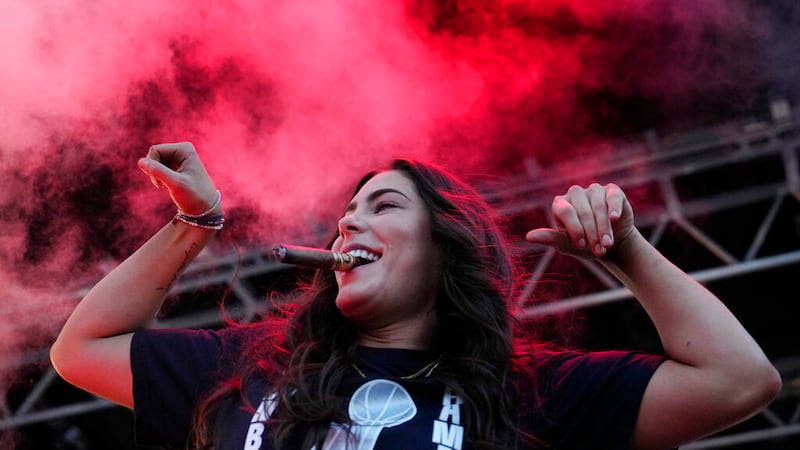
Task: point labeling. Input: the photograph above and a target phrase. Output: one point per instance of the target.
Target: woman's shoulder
(594, 361)
(229, 334)
(228, 341)
(550, 366)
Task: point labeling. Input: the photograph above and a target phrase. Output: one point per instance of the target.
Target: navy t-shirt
(588, 400)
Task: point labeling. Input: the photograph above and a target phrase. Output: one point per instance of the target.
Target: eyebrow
(375, 194)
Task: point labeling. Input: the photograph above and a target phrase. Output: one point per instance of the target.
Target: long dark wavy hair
(306, 357)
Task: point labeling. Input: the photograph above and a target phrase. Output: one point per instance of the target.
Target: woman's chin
(350, 304)
(360, 309)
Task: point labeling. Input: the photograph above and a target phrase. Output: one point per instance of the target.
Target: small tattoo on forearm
(187, 258)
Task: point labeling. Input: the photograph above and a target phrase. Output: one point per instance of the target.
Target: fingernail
(581, 242)
(607, 240)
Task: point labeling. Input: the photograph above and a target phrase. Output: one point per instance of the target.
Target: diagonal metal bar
(706, 241)
(703, 276)
(41, 386)
(56, 413)
(765, 226)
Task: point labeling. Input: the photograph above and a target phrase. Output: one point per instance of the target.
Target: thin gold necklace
(427, 370)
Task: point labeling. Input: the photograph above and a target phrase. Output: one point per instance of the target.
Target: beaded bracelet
(205, 219)
(214, 222)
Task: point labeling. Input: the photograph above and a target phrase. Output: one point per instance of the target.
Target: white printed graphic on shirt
(376, 405)
(255, 434)
(447, 430)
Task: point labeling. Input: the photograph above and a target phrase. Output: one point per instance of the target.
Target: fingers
(602, 234)
(615, 199)
(178, 168)
(565, 213)
(586, 215)
(154, 170)
(546, 236)
(171, 155)
(164, 162)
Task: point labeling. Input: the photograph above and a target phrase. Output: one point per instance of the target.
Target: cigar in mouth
(316, 258)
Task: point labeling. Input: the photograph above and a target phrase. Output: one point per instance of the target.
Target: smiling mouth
(363, 256)
(324, 259)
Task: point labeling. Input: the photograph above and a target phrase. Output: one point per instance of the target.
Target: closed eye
(381, 206)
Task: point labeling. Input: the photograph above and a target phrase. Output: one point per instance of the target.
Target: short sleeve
(172, 370)
(592, 400)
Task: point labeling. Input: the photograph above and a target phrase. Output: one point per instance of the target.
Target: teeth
(363, 254)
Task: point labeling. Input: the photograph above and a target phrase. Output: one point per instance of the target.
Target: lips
(362, 252)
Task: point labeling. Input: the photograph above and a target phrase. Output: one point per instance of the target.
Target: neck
(415, 335)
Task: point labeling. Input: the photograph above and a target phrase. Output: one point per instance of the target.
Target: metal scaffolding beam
(658, 163)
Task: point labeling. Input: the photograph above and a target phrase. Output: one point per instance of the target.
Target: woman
(415, 349)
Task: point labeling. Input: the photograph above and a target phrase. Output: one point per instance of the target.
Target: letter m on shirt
(447, 435)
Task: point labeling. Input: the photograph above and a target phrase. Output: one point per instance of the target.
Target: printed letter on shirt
(447, 430)
(255, 434)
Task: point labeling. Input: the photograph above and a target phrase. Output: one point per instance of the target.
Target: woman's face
(389, 222)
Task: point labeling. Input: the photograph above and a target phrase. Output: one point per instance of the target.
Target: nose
(350, 223)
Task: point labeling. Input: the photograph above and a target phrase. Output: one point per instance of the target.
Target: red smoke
(289, 102)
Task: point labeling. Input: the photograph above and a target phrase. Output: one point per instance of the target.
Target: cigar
(316, 258)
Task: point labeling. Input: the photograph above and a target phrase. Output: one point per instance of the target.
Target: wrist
(625, 249)
(212, 218)
(215, 207)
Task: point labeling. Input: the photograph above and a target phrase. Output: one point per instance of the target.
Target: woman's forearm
(694, 325)
(93, 349)
(129, 297)
(716, 374)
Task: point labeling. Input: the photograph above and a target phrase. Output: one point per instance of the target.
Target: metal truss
(660, 165)
(663, 168)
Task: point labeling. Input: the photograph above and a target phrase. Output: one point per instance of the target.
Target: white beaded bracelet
(204, 219)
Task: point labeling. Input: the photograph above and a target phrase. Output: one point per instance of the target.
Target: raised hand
(589, 221)
(177, 167)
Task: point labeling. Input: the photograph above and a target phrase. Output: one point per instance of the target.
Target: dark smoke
(289, 102)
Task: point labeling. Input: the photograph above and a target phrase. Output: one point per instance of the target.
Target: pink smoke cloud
(289, 102)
